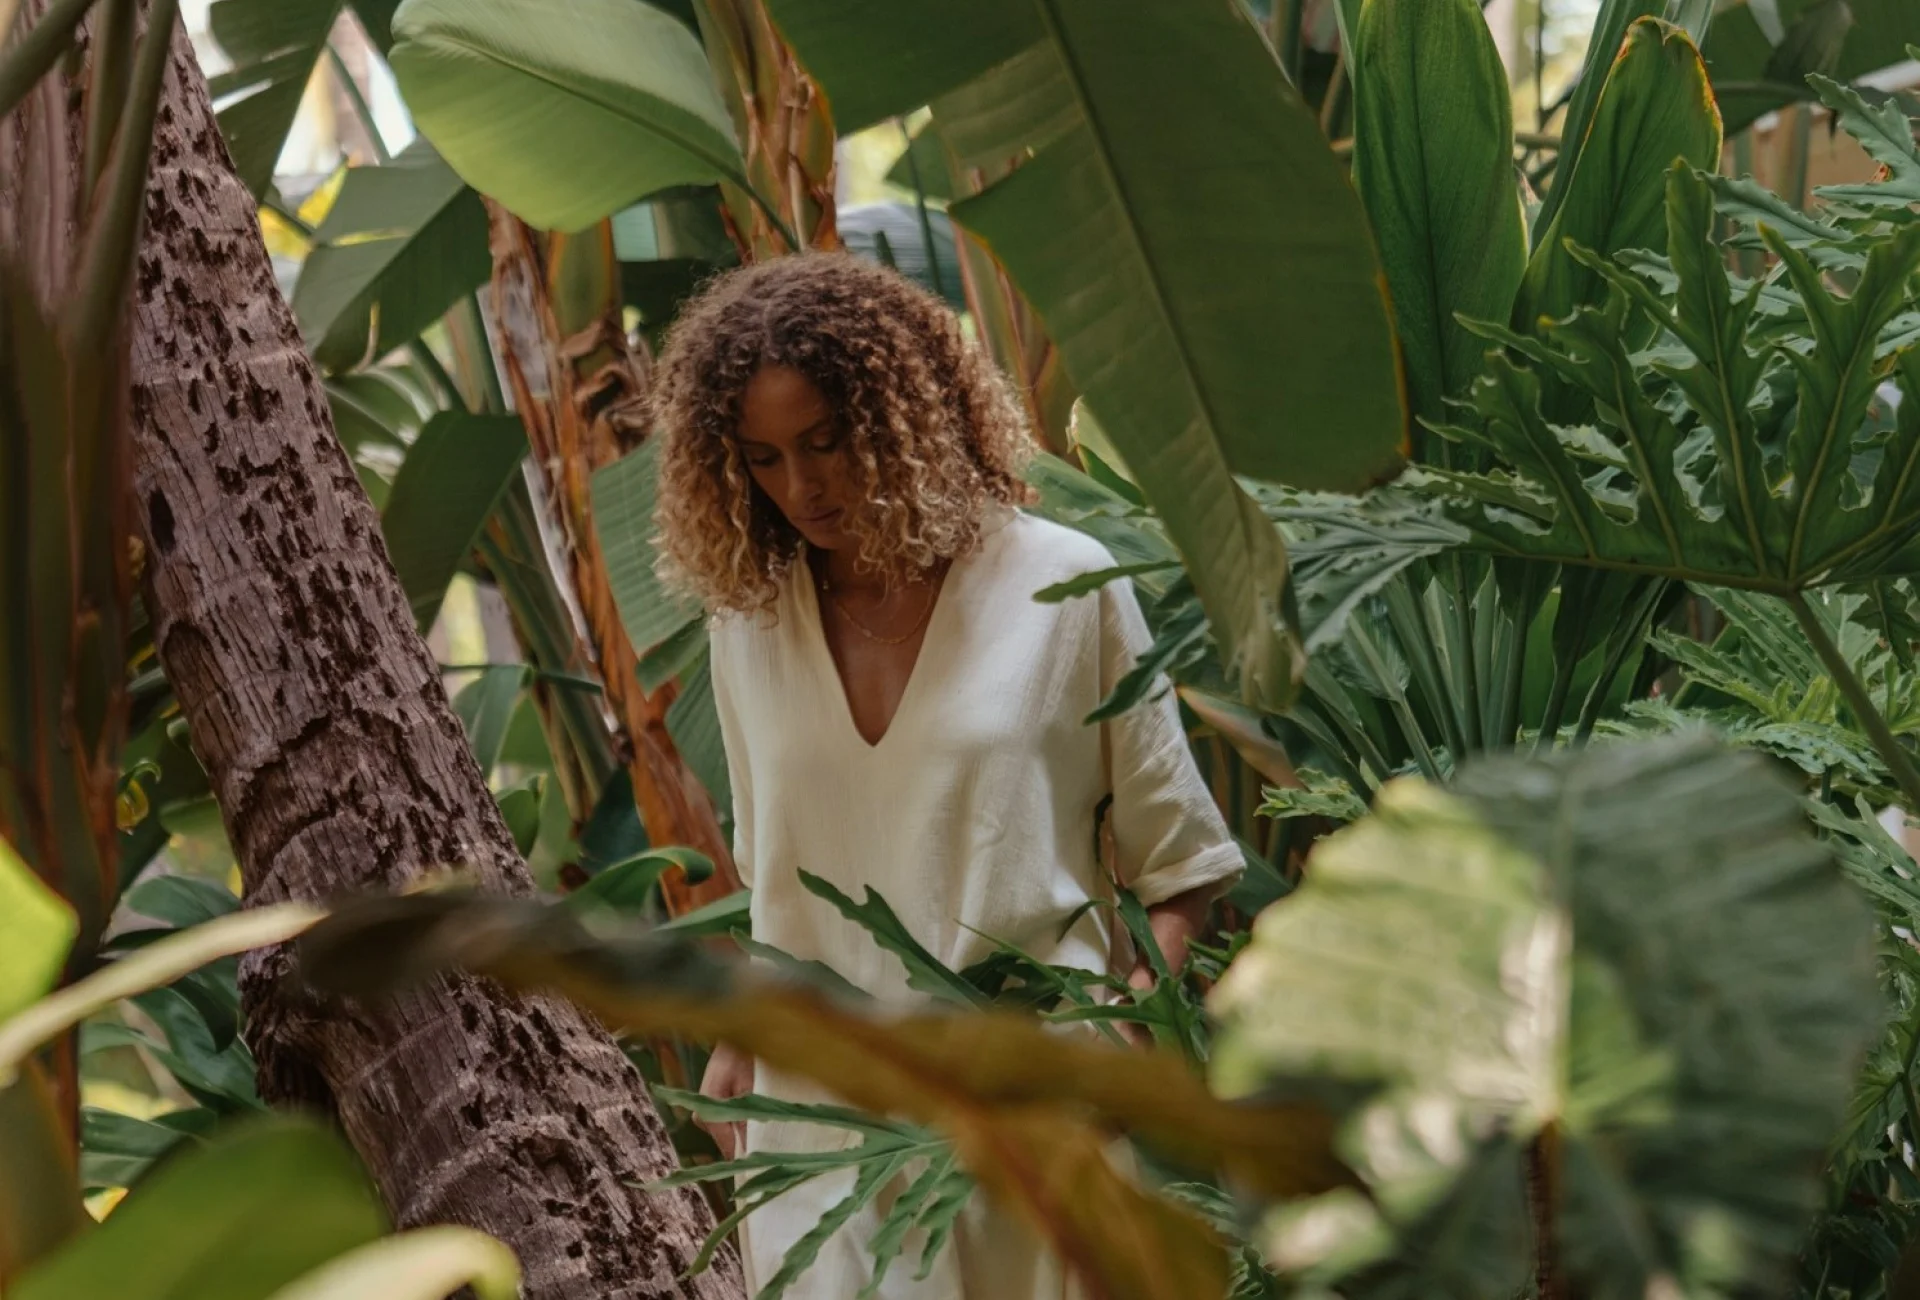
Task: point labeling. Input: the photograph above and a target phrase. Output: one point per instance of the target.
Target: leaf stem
(920, 207)
(424, 356)
(1616, 655)
(1543, 1198)
(361, 108)
(1855, 693)
(494, 397)
(1396, 699)
(773, 214)
(35, 53)
(1563, 672)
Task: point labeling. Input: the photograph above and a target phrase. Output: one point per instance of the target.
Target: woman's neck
(841, 571)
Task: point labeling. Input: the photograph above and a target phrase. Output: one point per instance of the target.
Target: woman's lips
(824, 517)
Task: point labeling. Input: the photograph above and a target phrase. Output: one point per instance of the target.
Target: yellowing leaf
(36, 929)
(427, 1264)
(161, 962)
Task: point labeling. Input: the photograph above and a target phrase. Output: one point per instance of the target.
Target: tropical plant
(1560, 1012)
(1759, 683)
(1098, 108)
(290, 650)
(1435, 632)
(1762, 54)
(1753, 447)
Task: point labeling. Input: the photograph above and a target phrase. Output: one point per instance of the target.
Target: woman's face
(796, 451)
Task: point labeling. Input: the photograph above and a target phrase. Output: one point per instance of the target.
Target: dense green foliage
(1579, 1001)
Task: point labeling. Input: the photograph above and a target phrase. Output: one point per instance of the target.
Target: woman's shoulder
(1042, 549)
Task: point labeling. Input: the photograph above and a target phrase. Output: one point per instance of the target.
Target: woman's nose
(808, 483)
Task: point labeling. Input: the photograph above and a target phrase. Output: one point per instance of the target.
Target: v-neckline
(818, 635)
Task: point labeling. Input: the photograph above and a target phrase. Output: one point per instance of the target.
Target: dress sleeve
(1168, 834)
(721, 668)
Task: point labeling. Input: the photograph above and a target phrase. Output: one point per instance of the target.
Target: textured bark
(338, 765)
(578, 385)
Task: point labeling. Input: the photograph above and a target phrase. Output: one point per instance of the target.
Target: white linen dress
(973, 815)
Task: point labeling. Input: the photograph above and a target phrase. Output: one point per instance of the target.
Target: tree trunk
(323, 725)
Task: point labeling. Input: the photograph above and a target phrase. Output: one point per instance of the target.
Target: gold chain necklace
(868, 632)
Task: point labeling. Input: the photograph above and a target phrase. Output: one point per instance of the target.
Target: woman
(839, 480)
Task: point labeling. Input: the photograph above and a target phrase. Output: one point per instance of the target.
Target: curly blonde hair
(934, 436)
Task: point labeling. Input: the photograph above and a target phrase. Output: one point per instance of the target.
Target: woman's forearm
(1175, 923)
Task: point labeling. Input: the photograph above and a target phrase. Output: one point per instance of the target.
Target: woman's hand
(729, 1075)
(1175, 924)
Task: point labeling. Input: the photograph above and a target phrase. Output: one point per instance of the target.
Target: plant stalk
(1556, 706)
(926, 220)
(1396, 699)
(1854, 691)
(1284, 30)
(1616, 656)
(1543, 1200)
(36, 52)
(361, 108)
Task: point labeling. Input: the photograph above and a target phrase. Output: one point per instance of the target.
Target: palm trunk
(321, 721)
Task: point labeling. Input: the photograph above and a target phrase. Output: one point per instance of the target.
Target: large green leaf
(117, 1150)
(1625, 956)
(630, 885)
(892, 232)
(379, 408)
(399, 247)
(625, 494)
(273, 46)
(455, 473)
(1186, 236)
(1801, 478)
(485, 707)
(1759, 57)
(1433, 162)
(930, 49)
(1655, 107)
(566, 111)
(259, 1207)
(1604, 44)
(1887, 136)
(693, 723)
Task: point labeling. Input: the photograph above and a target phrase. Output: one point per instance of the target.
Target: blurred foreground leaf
(1027, 1107)
(36, 929)
(264, 1204)
(427, 1264)
(1633, 962)
(157, 964)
